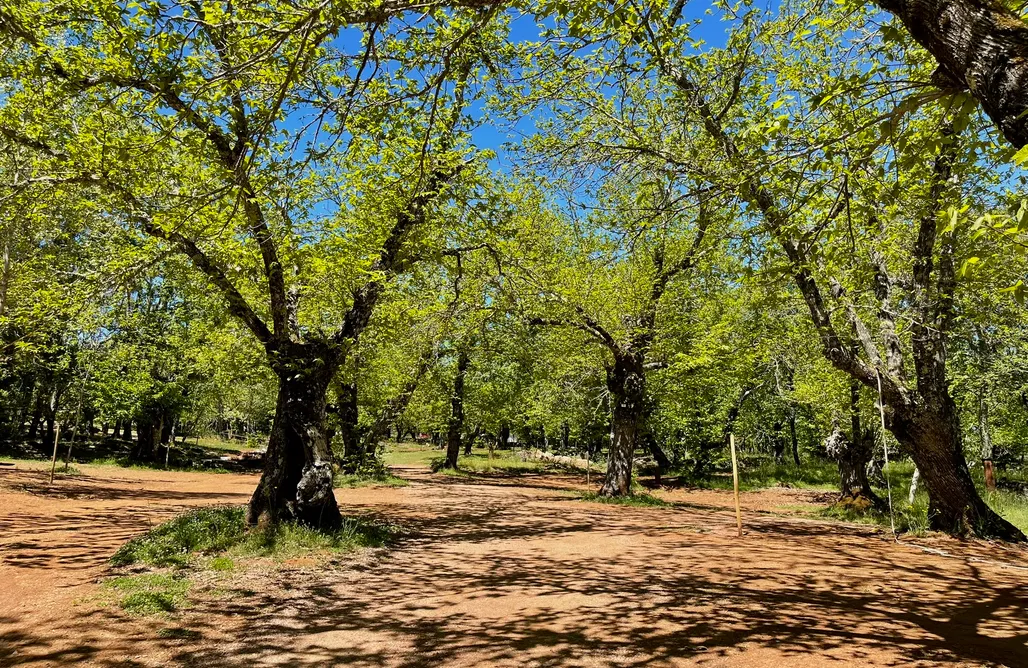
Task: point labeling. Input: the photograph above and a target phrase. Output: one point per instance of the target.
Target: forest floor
(509, 570)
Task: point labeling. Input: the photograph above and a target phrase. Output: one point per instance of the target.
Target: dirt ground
(512, 572)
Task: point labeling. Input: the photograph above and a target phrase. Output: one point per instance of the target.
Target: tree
(183, 122)
(922, 417)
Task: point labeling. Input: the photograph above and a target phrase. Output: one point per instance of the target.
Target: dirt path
(515, 573)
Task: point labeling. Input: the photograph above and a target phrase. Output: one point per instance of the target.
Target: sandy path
(516, 573)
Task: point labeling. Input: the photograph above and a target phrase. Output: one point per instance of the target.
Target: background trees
(274, 216)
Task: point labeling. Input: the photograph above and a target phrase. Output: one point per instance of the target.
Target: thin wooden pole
(885, 447)
(75, 427)
(171, 442)
(735, 479)
(53, 460)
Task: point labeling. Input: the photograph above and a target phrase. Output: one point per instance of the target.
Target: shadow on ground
(514, 575)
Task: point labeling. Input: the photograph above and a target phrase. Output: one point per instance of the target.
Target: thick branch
(980, 45)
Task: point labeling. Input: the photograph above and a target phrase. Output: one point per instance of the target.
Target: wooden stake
(735, 479)
(53, 460)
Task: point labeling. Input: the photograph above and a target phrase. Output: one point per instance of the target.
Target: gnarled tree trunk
(296, 484)
(626, 381)
(930, 432)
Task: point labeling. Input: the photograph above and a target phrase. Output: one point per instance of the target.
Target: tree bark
(930, 432)
(980, 46)
(469, 442)
(455, 426)
(148, 436)
(626, 381)
(296, 484)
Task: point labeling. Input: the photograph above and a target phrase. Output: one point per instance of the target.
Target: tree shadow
(514, 576)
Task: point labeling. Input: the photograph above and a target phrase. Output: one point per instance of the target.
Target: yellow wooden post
(53, 460)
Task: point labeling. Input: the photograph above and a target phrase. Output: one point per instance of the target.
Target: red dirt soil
(511, 572)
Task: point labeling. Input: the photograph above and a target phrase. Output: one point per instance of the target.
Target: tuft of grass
(221, 564)
(284, 541)
(342, 480)
(204, 531)
(149, 593)
(635, 499)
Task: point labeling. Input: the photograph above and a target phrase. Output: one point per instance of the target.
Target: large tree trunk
(148, 436)
(853, 455)
(930, 432)
(626, 381)
(296, 484)
(980, 46)
(455, 427)
(504, 439)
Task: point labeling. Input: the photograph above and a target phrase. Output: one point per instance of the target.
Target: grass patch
(640, 500)
(811, 474)
(221, 564)
(502, 461)
(409, 455)
(149, 593)
(343, 480)
(222, 532)
(284, 541)
(203, 531)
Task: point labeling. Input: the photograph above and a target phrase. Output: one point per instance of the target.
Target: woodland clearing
(508, 569)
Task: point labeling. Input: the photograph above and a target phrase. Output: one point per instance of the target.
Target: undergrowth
(149, 593)
(359, 480)
(635, 499)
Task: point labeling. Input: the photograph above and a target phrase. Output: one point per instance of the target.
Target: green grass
(356, 480)
(285, 541)
(149, 593)
(811, 474)
(502, 461)
(203, 531)
(128, 463)
(640, 500)
(215, 443)
(409, 454)
(221, 564)
(912, 518)
(221, 532)
(1012, 506)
